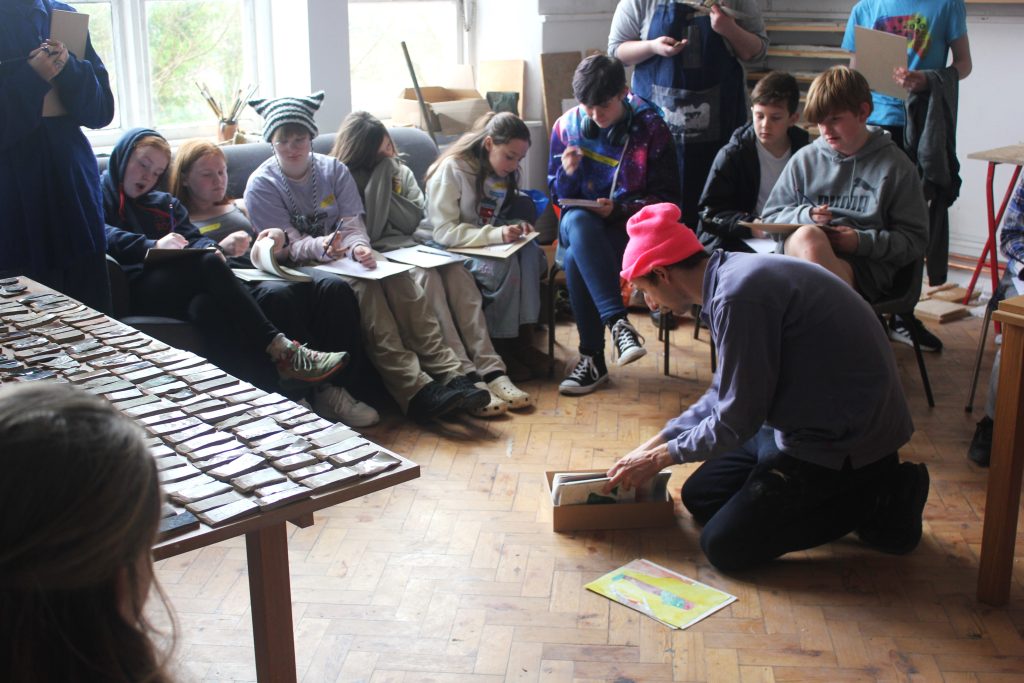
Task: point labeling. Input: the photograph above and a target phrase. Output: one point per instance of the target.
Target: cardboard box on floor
(453, 107)
(617, 516)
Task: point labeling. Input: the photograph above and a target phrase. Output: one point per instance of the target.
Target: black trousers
(758, 506)
(172, 288)
(324, 314)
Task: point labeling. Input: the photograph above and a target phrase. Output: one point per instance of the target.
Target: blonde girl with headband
(472, 201)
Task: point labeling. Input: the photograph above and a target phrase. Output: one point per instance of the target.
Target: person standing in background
(52, 210)
(690, 63)
(933, 29)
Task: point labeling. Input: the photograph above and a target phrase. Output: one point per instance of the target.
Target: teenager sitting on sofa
(139, 218)
(394, 207)
(313, 199)
(199, 179)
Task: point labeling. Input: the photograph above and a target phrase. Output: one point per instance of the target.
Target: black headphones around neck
(618, 134)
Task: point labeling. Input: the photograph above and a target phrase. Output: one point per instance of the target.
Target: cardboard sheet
(878, 53)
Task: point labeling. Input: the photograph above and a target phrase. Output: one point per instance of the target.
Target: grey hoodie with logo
(876, 191)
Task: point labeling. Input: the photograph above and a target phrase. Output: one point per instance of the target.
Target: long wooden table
(266, 543)
(1002, 500)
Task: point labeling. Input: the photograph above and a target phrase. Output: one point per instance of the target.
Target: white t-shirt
(771, 169)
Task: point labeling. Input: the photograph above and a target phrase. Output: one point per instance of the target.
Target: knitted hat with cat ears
(281, 111)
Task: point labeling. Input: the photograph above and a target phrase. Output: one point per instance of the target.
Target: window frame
(134, 101)
(464, 15)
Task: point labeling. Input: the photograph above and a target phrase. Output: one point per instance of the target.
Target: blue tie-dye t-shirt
(930, 27)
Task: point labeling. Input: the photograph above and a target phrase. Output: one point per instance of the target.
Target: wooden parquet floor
(457, 576)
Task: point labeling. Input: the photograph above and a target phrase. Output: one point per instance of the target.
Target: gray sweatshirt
(800, 352)
(876, 191)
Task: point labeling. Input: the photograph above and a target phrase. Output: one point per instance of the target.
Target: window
(431, 29)
(162, 49)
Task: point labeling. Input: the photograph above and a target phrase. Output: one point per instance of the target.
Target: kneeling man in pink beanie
(799, 430)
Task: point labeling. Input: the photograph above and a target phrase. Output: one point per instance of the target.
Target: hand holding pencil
(332, 252)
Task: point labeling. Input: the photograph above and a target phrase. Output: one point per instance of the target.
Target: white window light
(156, 50)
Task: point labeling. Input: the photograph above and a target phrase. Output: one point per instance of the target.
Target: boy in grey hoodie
(856, 197)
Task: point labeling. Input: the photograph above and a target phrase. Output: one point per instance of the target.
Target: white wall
(991, 104)
(311, 52)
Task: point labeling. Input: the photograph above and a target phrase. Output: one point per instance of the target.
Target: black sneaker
(433, 400)
(473, 397)
(629, 345)
(584, 378)
(895, 527)
(671, 321)
(980, 450)
(899, 331)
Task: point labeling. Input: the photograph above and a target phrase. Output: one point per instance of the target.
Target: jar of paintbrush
(227, 119)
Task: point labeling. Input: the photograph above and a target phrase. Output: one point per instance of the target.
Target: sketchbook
(267, 267)
(503, 250)
(346, 266)
(423, 257)
(585, 203)
(72, 29)
(662, 594)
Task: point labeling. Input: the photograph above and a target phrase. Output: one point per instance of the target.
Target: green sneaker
(299, 363)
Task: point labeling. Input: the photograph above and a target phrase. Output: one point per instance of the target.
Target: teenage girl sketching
(472, 201)
(140, 218)
(394, 210)
(199, 179)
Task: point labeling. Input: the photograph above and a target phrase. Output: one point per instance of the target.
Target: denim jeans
(757, 503)
(593, 259)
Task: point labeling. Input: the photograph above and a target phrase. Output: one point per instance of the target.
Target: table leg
(1004, 477)
(991, 249)
(270, 595)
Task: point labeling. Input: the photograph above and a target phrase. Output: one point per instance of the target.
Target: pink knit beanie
(656, 238)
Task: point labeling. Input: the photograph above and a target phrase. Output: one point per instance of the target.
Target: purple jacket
(641, 172)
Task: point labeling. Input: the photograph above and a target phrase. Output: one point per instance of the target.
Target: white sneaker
(495, 407)
(515, 397)
(334, 403)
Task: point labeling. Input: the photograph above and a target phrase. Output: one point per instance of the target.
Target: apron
(701, 91)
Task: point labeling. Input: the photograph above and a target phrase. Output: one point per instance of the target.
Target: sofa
(418, 151)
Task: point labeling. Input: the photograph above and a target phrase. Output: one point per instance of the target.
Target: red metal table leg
(991, 249)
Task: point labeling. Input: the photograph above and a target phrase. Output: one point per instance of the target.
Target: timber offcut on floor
(458, 577)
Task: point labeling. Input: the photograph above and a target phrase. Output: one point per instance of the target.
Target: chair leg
(977, 360)
(663, 334)
(921, 367)
(714, 358)
(551, 318)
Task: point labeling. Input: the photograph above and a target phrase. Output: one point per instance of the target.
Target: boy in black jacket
(745, 170)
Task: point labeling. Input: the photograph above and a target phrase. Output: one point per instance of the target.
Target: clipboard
(878, 54)
(72, 29)
(503, 250)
